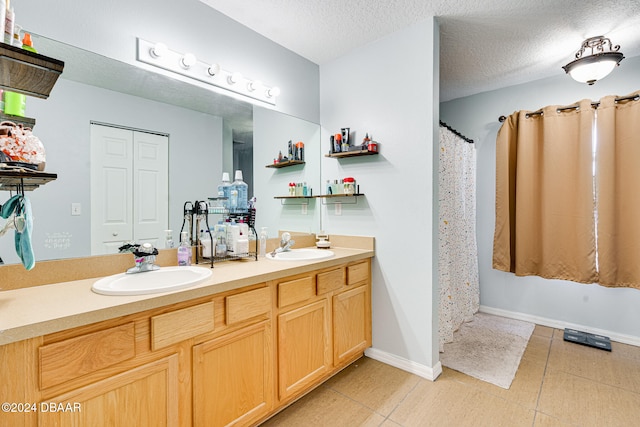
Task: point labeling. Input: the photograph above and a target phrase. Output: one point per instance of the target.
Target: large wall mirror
(202, 126)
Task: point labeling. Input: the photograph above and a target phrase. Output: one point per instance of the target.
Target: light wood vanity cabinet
(232, 358)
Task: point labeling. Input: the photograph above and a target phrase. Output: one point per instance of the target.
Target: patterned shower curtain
(458, 251)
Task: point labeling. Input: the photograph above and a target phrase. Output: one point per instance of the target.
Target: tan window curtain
(618, 192)
(544, 195)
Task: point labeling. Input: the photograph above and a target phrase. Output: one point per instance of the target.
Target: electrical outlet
(304, 209)
(338, 209)
(76, 209)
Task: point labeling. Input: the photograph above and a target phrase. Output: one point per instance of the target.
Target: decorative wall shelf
(353, 198)
(27, 122)
(14, 180)
(28, 72)
(351, 154)
(304, 200)
(285, 164)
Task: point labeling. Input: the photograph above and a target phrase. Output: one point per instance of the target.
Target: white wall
(386, 88)
(612, 312)
(110, 28)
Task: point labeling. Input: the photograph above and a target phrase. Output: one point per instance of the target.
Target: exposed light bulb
(234, 78)
(254, 85)
(273, 92)
(213, 69)
(188, 60)
(158, 50)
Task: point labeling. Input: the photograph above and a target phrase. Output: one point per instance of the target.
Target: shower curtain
(458, 252)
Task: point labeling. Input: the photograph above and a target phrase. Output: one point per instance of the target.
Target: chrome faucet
(145, 257)
(286, 242)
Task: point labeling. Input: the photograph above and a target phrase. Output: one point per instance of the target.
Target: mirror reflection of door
(129, 187)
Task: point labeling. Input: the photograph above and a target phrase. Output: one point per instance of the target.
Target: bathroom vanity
(233, 350)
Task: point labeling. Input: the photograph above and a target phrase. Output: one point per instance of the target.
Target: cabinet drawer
(171, 328)
(295, 291)
(249, 304)
(330, 280)
(357, 273)
(72, 358)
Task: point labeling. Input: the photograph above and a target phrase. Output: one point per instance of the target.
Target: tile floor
(557, 384)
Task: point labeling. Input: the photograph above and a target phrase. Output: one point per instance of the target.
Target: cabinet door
(351, 324)
(143, 396)
(304, 348)
(233, 378)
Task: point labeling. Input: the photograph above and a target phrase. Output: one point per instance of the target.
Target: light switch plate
(76, 209)
(338, 207)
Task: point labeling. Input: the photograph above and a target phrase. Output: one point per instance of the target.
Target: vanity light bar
(188, 65)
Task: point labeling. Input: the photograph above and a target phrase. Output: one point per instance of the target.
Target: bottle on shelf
(241, 195)
(224, 192)
(221, 240)
(184, 250)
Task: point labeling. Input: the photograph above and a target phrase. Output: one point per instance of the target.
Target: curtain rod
(572, 107)
(470, 141)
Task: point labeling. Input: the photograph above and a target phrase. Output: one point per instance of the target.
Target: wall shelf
(26, 122)
(28, 72)
(351, 154)
(14, 180)
(285, 164)
(353, 198)
(304, 200)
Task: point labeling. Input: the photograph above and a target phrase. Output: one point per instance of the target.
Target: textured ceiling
(484, 44)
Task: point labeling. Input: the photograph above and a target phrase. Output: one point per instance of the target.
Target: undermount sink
(163, 280)
(302, 254)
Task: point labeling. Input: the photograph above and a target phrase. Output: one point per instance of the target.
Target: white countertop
(40, 310)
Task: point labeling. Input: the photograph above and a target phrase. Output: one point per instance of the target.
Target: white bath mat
(488, 348)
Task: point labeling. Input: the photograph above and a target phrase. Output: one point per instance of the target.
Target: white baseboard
(404, 364)
(553, 323)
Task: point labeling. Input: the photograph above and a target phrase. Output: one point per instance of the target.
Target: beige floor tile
(543, 331)
(524, 389)
(537, 349)
(376, 385)
(581, 401)
(448, 402)
(544, 420)
(389, 423)
(325, 408)
(619, 368)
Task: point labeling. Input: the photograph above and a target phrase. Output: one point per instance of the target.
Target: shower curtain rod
(470, 141)
(572, 107)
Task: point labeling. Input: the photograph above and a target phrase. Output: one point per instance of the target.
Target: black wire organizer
(247, 217)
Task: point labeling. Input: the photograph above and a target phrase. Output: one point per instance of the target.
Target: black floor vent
(585, 338)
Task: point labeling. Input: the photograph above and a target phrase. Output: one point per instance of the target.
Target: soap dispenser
(184, 250)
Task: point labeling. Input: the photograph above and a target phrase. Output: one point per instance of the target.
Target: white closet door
(151, 187)
(129, 188)
(111, 188)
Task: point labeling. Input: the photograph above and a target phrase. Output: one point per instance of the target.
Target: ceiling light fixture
(215, 78)
(590, 68)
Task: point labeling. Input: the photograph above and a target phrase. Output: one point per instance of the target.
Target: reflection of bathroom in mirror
(208, 133)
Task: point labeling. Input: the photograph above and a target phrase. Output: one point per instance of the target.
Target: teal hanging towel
(20, 207)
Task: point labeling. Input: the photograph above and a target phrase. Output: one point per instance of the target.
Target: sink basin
(302, 254)
(164, 280)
